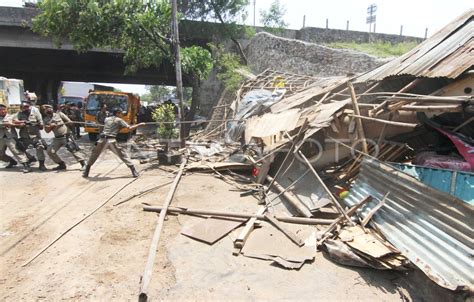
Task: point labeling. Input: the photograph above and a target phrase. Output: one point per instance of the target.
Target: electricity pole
(179, 78)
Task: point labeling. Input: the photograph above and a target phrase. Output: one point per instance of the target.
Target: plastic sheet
(252, 103)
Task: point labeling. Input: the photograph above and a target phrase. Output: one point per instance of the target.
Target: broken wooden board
(245, 233)
(271, 124)
(268, 243)
(366, 243)
(212, 229)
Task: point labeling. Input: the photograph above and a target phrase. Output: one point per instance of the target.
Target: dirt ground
(103, 258)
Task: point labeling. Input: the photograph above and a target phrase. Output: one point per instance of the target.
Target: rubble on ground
(326, 160)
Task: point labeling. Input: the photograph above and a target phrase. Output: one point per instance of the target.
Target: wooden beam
(360, 127)
(290, 198)
(349, 213)
(295, 220)
(146, 277)
(331, 196)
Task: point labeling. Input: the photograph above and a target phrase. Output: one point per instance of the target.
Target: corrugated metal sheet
(431, 228)
(448, 53)
(457, 183)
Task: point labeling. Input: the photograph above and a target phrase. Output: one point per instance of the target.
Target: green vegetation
(164, 115)
(272, 19)
(377, 49)
(228, 66)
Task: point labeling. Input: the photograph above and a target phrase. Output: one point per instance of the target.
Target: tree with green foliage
(272, 19)
(140, 28)
(156, 93)
(229, 69)
(229, 13)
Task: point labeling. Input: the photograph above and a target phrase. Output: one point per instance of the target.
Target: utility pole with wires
(179, 77)
(371, 18)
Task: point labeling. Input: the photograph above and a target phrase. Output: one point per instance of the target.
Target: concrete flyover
(35, 59)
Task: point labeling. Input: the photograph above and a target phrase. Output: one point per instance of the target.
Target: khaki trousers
(10, 143)
(58, 143)
(110, 143)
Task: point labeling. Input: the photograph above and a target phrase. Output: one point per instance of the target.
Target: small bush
(164, 115)
(377, 49)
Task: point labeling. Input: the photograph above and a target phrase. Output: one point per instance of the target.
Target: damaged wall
(268, 51)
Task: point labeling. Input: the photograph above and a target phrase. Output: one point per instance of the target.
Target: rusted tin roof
(431, 228)
(448, 53)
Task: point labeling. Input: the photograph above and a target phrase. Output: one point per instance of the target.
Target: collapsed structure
(376, 169)
(413, 114)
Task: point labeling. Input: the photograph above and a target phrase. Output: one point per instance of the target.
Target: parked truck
(128, 102)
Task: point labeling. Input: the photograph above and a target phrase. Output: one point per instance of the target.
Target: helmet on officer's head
(116, 110)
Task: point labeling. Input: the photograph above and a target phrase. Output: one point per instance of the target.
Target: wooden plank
(146, 277)
(288, 233)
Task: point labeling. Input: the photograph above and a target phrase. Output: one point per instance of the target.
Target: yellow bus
(129, 102)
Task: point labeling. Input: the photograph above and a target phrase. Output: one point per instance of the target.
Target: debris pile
(326, 160)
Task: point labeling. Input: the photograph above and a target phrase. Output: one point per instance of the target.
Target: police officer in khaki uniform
(108, 139)
(30, 122)
(8, 141)
(56, 122)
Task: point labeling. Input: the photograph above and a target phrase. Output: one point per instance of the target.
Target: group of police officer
(29, 122)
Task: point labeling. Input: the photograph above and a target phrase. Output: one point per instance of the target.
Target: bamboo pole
(78, 222)
(331, 196)
(146, 277)
(186, 211)
(400, 124)
(380, 108)
(360, 127)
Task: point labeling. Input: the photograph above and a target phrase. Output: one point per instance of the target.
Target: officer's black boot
(134, 171)
(42, 167)
(83, 165)
(85, 174)
(26, 168)
(11, 164)
(61, 166)
(31, 159)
